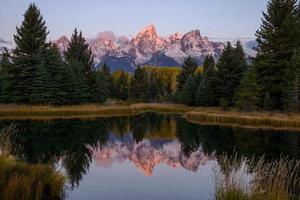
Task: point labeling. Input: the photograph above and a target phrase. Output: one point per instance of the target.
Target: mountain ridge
(148, 48)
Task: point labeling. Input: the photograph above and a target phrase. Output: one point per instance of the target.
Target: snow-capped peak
(148, 48)
(62, 43)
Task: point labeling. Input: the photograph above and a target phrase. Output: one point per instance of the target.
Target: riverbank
(199, 115)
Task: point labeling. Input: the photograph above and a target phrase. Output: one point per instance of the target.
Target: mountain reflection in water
(146, 141)
(147, 154)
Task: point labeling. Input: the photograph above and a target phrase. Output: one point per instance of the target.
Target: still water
(149, 156)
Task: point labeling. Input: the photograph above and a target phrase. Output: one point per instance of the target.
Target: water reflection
(146, 140)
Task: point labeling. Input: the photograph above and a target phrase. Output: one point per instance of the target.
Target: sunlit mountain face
(148, 48)
(152, 149)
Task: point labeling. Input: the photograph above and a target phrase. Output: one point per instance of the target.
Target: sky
(214, 18)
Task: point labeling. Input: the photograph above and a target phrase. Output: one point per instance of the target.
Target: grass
(274, 180)
(201, 115)
(22, 181)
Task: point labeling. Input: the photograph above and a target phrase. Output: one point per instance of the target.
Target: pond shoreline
(199, 115)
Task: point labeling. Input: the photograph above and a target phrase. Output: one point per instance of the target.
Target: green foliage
(79, 56)
(206, 91)
(30, 41)
(5, 76)
(163, 81)
(293, 101)
(138, 84)
(103, 85)
(247, 97)
(121, 85)
(188, 92)
(188, 68)
(230, 70)
(277, 40)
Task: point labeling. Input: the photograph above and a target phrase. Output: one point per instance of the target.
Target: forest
(37, 73)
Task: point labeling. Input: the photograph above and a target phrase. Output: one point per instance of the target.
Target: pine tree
(276, 44)
(5, 70)
(230, 71)
(205, 94)
(154, 89)
(79, 55)
(40, 93)
(189, 67)
(208, 63)
(293, 101)
(103, 85)
(138, 84)
(247, 96)
(30, 41)
(121, 86)
(55, 70)
(186, 95)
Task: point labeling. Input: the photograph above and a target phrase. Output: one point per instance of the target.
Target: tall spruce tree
(247, 96)
(230, 71)
(103, 85)
(188, 92)
(30, 41)
(205, 94)
(188, 69)
(122, 86)
(55, 72)
(79, 56)
(138, 84)
(293, 101)
(5, 72)
(276, 44)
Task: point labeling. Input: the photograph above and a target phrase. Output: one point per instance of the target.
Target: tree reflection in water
(146, 140)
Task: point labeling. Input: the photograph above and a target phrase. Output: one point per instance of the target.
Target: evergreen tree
(5, 70)
(55, 71)
(188, 92)
(121, 86)
(154, 89)
(47, 83)
(79, 55)
(294, 89)
(208, 63)
(188, 69)
(138, 84)
(276, 44)
(230, 71)
(103, 85)
(30, 41)
(247, 97)
(40, 93)
(205, 94)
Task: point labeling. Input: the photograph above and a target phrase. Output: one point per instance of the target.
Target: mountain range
(148, 48)
(147, 154)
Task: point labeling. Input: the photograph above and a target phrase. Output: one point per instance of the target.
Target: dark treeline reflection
(72, 141)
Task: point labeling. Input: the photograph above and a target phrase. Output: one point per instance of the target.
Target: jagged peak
(175, 36)
(150, 27)
(63, 38)
(149, 30)
(193, 34)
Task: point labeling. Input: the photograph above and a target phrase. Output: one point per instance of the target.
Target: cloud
(107, 35)
(123, 39)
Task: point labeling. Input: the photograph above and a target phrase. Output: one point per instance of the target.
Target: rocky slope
(148, 48)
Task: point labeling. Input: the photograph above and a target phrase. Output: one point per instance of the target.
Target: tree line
(36, 72)
(270, 81)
